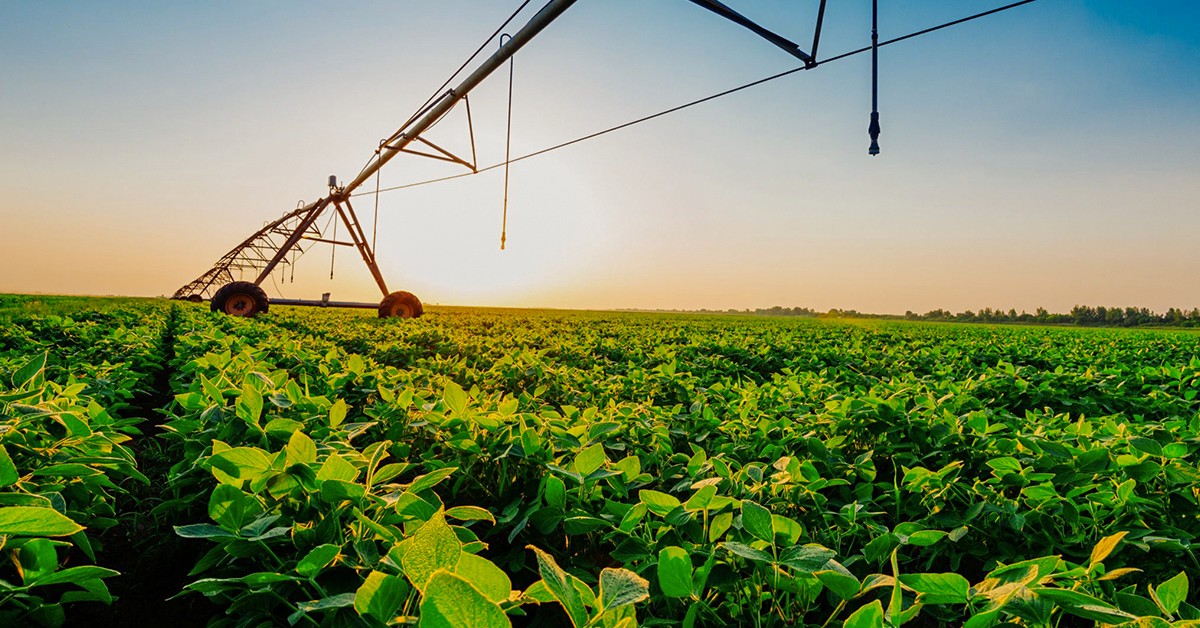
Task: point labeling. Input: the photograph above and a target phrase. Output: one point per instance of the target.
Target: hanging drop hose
(873, 128)
(507, 146)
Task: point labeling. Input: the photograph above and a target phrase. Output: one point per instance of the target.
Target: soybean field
(476, 467)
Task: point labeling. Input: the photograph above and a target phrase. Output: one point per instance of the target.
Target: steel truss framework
(280, 242)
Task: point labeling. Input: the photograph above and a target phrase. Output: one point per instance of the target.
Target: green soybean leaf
(8, 470)
(337, 468)
(38, 557)
(430, 480)
(204, 531)
(938, 588)
(701, 499)
(484, 575)
(806, 558)
(745, 551)
(337, 413)
(869, 616)
(556, 492)
(434, 546)
(301, 449)
(1171, 593)
(757, 521)
(380, 596)
(451, 602)
(840, 581)
(33, 521)
(675, 572)
(317, 559)
(619, 587)
(590, 459)
(1083, 605)
(249, 404)
(470, 513)
(455, 397)
(561, 585)
(75, 575)
(659, 503)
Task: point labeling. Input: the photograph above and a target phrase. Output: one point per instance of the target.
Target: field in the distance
(481, 467)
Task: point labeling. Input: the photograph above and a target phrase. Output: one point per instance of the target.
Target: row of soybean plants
(68, 385)
(321, 506)
(759, 472)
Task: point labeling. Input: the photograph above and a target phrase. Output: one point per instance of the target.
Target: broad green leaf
(317, 559)
(561, 586)
(451, 602)
(337, 468)
(75, 575)
(37, 558)
(249, 404)
(619, 587)
(431, 479)
(240, 463)
(204, 531)
(1083, 605)
(806, 558)
(337, 413)
(470, 513)
(230, 507)
(380, 596)
(841, 582)
(455, 397)
(745, 551)
(556, 492)
(868, 616)
(757, 521)
(33, 521)
(434, 546)
(923, 538)
(31, 375)
(1105, 547)
(301, 449)
(590, 459)
(701, 498)
(484, 575)
(8, 470)
(659, 503)
(1171, 593)
(675, 572)
(938, 588)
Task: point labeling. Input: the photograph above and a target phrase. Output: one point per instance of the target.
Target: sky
(1041, 157)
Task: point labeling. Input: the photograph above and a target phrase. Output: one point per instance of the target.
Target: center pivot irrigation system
(280, 243)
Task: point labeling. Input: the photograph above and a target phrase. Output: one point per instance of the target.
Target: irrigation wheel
(400, 305)
(240, 298)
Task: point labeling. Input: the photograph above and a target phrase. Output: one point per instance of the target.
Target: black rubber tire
(194, 298)
(401, 305)
(240, 298)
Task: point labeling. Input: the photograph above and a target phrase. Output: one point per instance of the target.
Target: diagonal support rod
(737, 18)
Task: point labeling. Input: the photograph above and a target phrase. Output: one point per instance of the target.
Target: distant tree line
(1084, 315)
(1098, 316)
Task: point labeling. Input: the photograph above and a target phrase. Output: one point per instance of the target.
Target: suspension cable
(699, 101)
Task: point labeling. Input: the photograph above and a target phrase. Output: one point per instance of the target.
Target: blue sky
(1040, 157)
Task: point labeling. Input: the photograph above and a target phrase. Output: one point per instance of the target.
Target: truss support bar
(406, 135)
(741, 20)
(298, 233)
(350, 219)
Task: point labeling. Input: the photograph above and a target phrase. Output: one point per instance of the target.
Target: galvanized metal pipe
(405, 136)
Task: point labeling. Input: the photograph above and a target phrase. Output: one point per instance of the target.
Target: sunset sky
(1046, 156)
